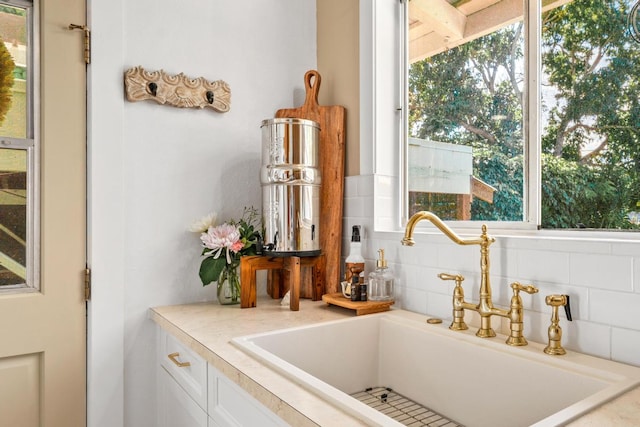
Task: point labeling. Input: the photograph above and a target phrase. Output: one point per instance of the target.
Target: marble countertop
(207, 328)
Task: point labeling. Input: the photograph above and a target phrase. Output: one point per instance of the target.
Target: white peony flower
(203, 224)
(224, 237)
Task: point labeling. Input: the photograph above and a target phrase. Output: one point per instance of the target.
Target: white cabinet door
(231, 406)
(175, 407)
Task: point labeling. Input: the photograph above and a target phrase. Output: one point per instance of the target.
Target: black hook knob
(567, 308)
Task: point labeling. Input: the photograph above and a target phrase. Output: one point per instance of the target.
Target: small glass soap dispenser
(381, 280)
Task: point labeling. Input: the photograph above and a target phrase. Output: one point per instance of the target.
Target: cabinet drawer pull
(174, 359)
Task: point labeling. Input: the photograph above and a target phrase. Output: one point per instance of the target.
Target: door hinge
(87, 284)
(87, 40)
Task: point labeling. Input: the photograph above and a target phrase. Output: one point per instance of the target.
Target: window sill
(523, 231)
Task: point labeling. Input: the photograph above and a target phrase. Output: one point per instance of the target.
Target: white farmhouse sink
(473, 381)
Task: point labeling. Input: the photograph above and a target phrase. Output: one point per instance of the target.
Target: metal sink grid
(402, 409)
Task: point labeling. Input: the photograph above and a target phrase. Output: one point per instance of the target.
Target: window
(491, 140)
(17, 148)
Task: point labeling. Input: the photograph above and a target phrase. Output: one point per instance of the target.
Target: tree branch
(559, 146)
(512, 65)
(480, 132)
(589, 156)
(596, 61)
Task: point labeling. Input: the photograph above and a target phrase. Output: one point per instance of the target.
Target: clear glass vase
(229, 286)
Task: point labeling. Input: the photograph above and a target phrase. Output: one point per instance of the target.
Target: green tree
(591, 163)
(594, 67)
(6, 80)
(462, 97)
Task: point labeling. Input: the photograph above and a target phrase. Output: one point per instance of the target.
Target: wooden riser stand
(288, 269)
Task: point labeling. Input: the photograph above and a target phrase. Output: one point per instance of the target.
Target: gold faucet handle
(517, 287)
(457, 277)
(457, 324)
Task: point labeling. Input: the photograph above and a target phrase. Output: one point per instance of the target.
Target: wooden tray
(361, 307)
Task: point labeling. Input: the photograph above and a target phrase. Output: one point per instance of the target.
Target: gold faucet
(485, 306)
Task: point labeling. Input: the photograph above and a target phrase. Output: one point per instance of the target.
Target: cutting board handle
(311, 88)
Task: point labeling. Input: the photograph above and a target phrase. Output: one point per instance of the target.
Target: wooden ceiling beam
(439, 16)
(429, 38)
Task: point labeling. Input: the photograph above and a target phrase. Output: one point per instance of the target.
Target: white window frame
(383, 128)
(31, 145)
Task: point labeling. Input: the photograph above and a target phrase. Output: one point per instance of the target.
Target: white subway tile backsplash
(405, 275)
(428, 279)
(587, 337)
(503, 263)
(560, 244)
(547, 266)
(625, 346)
(351, 186)
(365, 187)
(414, 255)
(439, 305)
(415, 300)
(354, 207)
(615, 308)
(502, 292)
(535, 326)
(499, 260)
(430, 256)
(601, 271)
(471, 286)
(454, 257)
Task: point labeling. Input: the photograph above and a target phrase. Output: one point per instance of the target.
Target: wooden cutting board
(331, 151)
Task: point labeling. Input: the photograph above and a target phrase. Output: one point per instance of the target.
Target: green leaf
(210, 269)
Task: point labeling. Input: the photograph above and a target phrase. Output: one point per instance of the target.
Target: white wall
(155, 169)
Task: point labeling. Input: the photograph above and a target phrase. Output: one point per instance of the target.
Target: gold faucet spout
(435, 220)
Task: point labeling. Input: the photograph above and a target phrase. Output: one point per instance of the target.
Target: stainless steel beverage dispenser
(290, 187)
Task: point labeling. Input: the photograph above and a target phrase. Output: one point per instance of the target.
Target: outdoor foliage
(581, 195)
(472, 95)
(6, 80)
(12, 10)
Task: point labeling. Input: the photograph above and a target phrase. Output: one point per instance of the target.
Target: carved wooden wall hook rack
(177, 90)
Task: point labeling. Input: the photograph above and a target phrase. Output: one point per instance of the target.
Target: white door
(42, 307)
